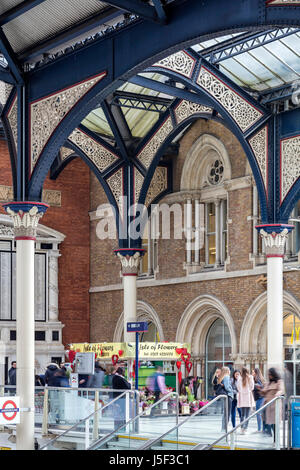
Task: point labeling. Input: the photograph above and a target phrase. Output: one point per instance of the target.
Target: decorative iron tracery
(148, 152)
(185, 109)
(180, 62)
(97, 153)
(259, 145)
(47, 113)
(243, 113)
(289, 164)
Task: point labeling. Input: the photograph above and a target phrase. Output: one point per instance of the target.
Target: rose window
(216, 171)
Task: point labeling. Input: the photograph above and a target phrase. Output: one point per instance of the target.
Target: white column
(189, 218)
(129, 286)
(197, 232)
(130, 259)
(218, 237)
(53, 285)
(25, 340)
(274, 242)
(275, 312)
(25, 217)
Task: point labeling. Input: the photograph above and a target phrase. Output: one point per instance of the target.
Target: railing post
(45, 413)
(127, 407)
(232, 441)
(277, 424)
(87, 434)
(96, 416)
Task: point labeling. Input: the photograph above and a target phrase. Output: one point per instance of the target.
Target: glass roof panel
(96, 122)
(264, 67)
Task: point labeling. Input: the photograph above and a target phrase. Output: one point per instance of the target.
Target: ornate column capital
(274, 236)
(130, 260)
(26, 216)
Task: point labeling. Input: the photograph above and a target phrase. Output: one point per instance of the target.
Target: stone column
(25, 217)
(130, 260)
(197, 232)
(189, 230)
(274, 237)
(218, 234)
(53, 285)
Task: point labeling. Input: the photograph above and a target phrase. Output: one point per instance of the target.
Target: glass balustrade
(201, 427)
(151, 422)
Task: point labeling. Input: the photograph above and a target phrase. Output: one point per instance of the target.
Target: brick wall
(72, 220)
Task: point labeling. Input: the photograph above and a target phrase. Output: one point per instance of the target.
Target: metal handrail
(135, 392)
(232, 431)
(101, 441)
(154, 441)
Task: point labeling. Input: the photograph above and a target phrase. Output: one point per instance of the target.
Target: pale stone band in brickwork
(50, 196)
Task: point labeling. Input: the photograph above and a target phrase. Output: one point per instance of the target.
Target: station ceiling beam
(141, 9)
(237, 46)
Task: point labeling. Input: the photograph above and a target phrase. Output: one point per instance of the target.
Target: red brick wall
(72, 220)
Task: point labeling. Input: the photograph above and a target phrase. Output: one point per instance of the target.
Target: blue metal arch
(9, 137)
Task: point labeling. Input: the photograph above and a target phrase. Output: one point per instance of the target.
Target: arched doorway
(208, 327)
(253, 339)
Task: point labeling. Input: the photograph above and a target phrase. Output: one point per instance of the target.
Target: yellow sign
(159, 351)
(154, 351)
(103, 350)
(295, 332)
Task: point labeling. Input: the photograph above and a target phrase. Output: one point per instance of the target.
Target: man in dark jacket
(50, 371)
(119, 383)
(12, 374)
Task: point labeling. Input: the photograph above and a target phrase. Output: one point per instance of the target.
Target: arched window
(291, 344)
(218, 350)
(152, 335)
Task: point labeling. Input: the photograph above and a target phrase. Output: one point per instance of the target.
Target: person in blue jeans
(225, 389)
(236, 375)
(259, 382)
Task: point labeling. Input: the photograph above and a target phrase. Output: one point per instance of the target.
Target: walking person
(225, 389)
(274, 388)
(259, 382)
(96, 380)
(119, 383)
(159, 384)
(245, 401)
(236, 375)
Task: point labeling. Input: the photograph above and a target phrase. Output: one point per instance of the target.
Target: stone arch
(145, 312)
(206, 148)
(253, 337)
(197, 319)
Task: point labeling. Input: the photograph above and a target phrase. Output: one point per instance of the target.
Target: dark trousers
(233, 412)
(245, 413)
(229, 401)
(157, 395)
